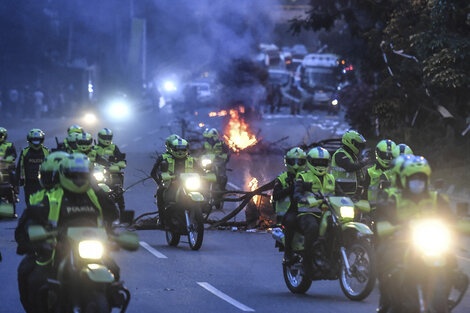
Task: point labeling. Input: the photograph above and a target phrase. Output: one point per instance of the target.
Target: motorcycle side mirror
(128, 241)
(462, 209)
(438, 183)
(127, 216)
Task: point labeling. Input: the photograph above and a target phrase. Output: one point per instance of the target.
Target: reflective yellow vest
(216, 149)
(3, 148)
(55, 196)
(282, 206)
(376, 177)
(188, 164)
(105, 151)
(408, 209)
(327, 187)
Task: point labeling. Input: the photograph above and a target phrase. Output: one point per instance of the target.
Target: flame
(220, 113)
(253, 185)
(201, 124)
(237, 133)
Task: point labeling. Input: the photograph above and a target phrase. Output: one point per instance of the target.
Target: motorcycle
(422, 267)
(109, 173)
(343, 250)
(210, 164)
(8, 197)
(184, 215)
(83, 280)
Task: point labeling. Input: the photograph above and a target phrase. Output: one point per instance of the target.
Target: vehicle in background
(318, 79)
(299, 52)
(270, 56)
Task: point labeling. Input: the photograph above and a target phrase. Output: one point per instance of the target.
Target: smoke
(207, 34)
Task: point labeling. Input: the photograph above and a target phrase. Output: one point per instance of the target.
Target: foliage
(427, 47)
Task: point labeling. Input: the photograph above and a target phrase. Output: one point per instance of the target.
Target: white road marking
(225, 297)
(123, 146)
(153, 132)
(234, 186)
(156, 253)
(137, 139)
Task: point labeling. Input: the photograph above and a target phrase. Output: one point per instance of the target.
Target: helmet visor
(79, 176)
(318, 162)
(106, 137)
(84, 142)
(359, 145)
(385, 155)
(295, 161)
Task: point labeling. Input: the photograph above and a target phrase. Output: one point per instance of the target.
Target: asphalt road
(233, 271)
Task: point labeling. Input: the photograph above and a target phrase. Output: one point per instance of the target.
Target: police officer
(294, 161)
(69, 142)
(346, 166)
(30, 161)
(109, 155)
(91, 207)
(379, 172)
(84, 144)
(214, 145)
(402, 205)
(48, 180)
(155, 173)
(168, 166)
(313, 180)
(7, 162)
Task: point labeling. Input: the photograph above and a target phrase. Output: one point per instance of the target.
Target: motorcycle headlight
(206, 162)
(90, 249)
(432, 237)
(99, 176)
(347, 211)
(192, 183)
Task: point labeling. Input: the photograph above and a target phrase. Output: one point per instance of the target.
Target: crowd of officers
(59, 192)
(397, 187)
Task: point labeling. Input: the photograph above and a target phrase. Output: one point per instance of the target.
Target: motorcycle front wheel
(172, 238)
(359, 283)
(295, 278)
(195, 228)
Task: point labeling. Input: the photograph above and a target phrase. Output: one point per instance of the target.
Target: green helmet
(105, 137)
(3, 135)
(75, 173)
(84, 142)
(49, 168)
(169, 140)
(35, 138)
(416, 167)
(354, 141)
(211, 135)
(74, 129)
(318, 159)
(295, 160)
(72, 140)
(179, 148)
(384, 152)
(401, 149)
(396, 168)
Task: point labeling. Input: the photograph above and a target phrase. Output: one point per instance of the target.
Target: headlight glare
(347, 211)
(99, 176)
(432, 237)
(90, 249)
(193, 183)
(206, 162)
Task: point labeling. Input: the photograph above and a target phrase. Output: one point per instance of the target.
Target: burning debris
(237, 133)
(253, 185)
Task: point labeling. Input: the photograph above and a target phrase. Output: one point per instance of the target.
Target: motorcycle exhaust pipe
(346, 261)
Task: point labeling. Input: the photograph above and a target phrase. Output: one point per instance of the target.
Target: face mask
(416, 186)
(36, 142)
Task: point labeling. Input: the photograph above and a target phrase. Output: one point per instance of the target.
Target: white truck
(317, 79)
